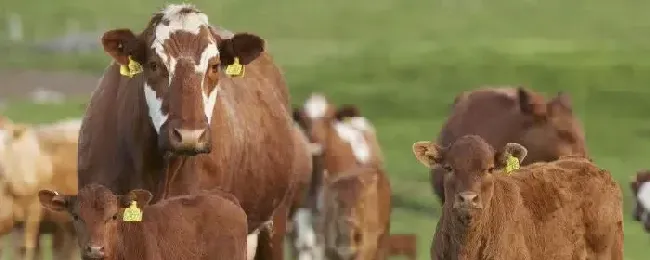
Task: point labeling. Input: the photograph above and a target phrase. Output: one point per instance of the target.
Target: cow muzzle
(190, 142)
(94, 252)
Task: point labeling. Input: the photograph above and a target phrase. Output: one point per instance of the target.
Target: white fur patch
(352, 132)
(158, 118)
(308, 248)
(251, 244)
(316, 106)
(644, 195)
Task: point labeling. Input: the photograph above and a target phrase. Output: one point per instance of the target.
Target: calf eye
(75, 217)
(490, 170)
(153, 66)
(115, 217)
(214, 68)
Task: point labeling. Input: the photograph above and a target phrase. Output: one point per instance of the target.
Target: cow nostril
(468, 197)
(176, 135)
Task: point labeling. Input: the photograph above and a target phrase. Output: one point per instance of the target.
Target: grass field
(403, 62)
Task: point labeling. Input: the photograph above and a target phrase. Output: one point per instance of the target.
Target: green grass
(403, 62)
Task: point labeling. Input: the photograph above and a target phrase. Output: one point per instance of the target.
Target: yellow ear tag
(133, 213)
(235, 69)
(512, 164)
(131, 69)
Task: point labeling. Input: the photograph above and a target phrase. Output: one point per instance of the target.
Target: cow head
(550, 129)
(183, 60)
(349, 203)
(96, 213)
(470, 164)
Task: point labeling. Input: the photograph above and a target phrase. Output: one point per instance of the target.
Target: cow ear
(513, 149)
(51, 200)
(346, 111)
(245, 46)
(531, 103)
(561, 103)
(122, 43)
(428, 153)
(142, 197)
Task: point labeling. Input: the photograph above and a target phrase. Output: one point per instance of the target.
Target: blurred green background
(402, 62)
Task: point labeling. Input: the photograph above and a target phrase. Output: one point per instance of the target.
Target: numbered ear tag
(512, 164)
(235, 69)
(131, 69)
(133, 213)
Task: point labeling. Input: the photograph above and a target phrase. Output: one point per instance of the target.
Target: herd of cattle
(191, 127)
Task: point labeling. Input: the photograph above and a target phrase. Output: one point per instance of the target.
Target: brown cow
(404, 245)
(565, 209)
(205, 225)
(640, 187)
(356, 215)
(502, 115)
(188, 121)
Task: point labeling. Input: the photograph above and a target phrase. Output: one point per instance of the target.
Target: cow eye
(490, 170)
(447, 168)
(153, 66)
(75, 217)
(214, 68)
(115, 216)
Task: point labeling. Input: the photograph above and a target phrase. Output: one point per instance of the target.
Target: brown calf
(356, 215)
(207, 225)
(403, 245)
(566, 209)
(549, 129)
(183, 121)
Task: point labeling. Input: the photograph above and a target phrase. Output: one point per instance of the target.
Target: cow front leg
(272, 234)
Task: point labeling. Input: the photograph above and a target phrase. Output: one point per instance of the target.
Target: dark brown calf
(549, 129)
(403, 245)
(207, 225)
(565, 209)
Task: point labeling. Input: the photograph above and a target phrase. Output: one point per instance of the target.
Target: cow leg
(32, 222)
(271, 240)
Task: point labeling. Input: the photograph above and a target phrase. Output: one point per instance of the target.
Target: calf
(566, 209)
(403, 244)
(206, 225)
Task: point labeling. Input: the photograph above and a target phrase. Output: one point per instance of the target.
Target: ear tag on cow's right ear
(133, 213)
(512, 163)
(131, 69)
(235, 69)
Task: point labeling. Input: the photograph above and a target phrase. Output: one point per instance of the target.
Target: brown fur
(205, 225)
(250, 137)
(549, 129)
(357, 214)
(640, 177)
(403, 244)
(565, 209)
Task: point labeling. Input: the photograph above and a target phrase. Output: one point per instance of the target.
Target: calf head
(350, 206)
(470, 164)
(96, 212)
(549, 129)
(183, 60)
(334, 131)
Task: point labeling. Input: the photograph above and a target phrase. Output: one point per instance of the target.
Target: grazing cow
(501, 115)
(186, 106)
(341, 140)
(32, 158)
(640, 187)
(565, 209)
(356, 215)
(403, 244)
(205, 225)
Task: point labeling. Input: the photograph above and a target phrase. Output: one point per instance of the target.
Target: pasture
(402, 63)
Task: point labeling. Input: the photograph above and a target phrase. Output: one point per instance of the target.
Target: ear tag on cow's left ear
(133, 213)
(131, 69)
(512, 164)
(235, 69)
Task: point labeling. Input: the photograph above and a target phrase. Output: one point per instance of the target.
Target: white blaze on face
(316, 106)
(353, 132)
(186, 22)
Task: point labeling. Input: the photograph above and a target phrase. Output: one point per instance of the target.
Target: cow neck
(174, 166)
(132, 242)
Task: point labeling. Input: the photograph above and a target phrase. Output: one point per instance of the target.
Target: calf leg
(271, 240)
(32, 222)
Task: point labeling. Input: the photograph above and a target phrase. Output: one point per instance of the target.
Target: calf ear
(122, 43)
(514, 149)
(52, 200)
(428, 153)
(245, 46)
(531, 103)
(346, 111)
(142, 197)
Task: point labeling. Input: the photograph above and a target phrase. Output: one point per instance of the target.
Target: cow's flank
(200, 226)
(529, 214)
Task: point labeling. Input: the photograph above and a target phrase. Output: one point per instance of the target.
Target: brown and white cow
(204, 225)
(549, 129)
(565, 209)
(183, 124)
